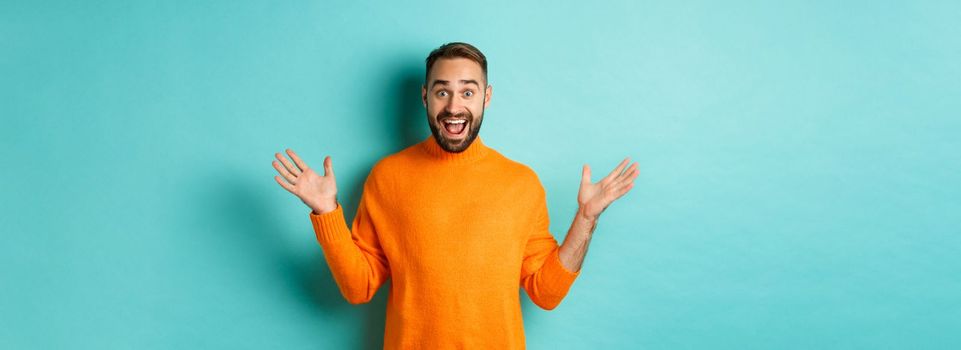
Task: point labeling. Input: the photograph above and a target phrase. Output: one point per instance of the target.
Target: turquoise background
(799, 185)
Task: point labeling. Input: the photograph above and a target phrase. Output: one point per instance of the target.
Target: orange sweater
(458, 234)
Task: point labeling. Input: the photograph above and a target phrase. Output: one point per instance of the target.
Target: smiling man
(454, 224)
(454, 125)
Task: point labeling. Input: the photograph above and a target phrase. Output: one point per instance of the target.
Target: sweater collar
(475, 151)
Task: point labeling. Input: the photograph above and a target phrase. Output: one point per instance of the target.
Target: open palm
(319, 192)
(593, 198)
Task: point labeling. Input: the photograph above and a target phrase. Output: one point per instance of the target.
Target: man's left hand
(593, 198)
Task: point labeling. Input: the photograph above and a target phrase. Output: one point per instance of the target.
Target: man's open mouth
(454, 127)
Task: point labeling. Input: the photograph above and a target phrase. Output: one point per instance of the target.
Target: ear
(487, 99)
(423, 94)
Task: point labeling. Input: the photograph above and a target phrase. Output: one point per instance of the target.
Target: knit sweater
(457, 234)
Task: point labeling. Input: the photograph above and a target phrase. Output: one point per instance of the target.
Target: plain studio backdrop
(799, 183)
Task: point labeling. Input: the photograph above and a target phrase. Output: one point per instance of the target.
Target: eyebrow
(445, 82)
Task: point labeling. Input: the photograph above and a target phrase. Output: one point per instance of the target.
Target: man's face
(455, 97)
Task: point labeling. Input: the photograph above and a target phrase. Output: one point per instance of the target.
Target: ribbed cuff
(330, 228)
(556, 275)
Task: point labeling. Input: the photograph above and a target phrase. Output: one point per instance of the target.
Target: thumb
(586, 175)
(328, 166)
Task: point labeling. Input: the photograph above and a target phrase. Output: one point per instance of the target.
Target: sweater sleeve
(356, 259)
(543, 276)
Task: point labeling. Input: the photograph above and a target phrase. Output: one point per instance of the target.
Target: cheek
(478, 106)
(432, 111)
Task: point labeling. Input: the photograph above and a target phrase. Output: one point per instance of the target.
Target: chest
(456, 226)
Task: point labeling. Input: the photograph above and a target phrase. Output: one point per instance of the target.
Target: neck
(475, 151)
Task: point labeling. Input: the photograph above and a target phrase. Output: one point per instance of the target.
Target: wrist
(585, 215)
(324, 207)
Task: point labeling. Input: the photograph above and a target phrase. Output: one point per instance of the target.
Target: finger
(328, 166)
(299, 162)
(290, 167)
(627, 173)
(623, 190)
(287, 175)
(586, 175)
(630, 169)
(620, 190)
(283, 184)
(617, 171)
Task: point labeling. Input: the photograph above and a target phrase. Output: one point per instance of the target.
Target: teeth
(457, 121)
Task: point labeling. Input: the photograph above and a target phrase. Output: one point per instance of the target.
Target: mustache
(464, 115)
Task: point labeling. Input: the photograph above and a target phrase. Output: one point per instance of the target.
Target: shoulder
(395, 161)
(387, 167)
(521, 174)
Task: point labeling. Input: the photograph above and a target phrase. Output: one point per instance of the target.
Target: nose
(454, 105)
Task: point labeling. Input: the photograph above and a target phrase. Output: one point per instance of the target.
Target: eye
(468, 93)
(442, 93)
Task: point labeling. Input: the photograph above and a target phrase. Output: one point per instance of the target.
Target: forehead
(455, 70)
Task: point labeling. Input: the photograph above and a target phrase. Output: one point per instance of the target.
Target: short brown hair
(455, 50)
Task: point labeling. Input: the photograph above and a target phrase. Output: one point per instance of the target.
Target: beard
(455, 146)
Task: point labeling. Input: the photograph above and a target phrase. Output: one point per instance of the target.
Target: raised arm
(356, 259)
(592, 200)
(549, 270)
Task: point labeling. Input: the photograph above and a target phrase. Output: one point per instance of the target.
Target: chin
(456, 146)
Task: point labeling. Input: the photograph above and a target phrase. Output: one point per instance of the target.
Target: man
(455, 224)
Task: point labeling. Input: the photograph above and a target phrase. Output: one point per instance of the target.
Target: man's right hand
(316, 191)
